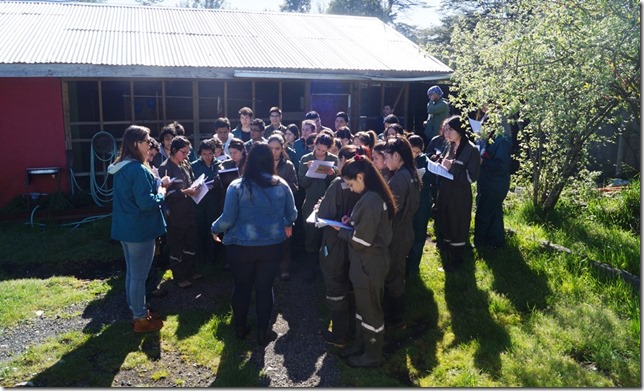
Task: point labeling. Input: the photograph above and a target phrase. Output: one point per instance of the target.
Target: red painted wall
(33, 135)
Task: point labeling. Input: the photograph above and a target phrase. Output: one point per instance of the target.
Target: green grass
(521, 316)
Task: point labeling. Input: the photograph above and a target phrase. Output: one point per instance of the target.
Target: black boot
(396, 312)
(338, 334)
(372, 355)
(356, 346)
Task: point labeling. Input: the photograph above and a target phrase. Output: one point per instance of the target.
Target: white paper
(438, 169)
(203, 190)
(476, 125)
(320, 222)
(316, 167)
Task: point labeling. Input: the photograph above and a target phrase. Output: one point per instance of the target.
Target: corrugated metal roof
(118, 35)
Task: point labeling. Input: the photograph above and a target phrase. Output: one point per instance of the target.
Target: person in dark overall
(462, 160)
(368, 258)
(286, 170)
(338, 201)
(424, 211)
(314, 189)
(210, 206)
(434, 151)
(405, 186)
(180, 213)
(492, 188)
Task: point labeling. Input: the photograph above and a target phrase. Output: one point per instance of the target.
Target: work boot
(356, 346)
(338, 334)
(146, 323)
(396, 312)
(372, 355)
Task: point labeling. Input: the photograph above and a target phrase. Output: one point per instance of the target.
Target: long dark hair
(259, 166)
(278, 138)
(402, 146)
(373, 181)
(458, 125)
(238, 144)
(129, 149)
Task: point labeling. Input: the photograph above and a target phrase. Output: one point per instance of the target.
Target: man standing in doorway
(437, 112)
(341, 120)
(276, 122)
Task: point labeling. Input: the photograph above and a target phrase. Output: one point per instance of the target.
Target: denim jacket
(256, 216)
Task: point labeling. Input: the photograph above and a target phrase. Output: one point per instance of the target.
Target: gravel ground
(298, 357)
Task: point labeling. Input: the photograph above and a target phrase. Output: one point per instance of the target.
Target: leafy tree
(563, 69)
(385, 10)
(302, 6)
(149, 2)
(207, 4)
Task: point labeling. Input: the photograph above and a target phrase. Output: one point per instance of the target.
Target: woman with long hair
(338, 201)
(368, 257)
(286, 170)
(314, 189)
(454, 201)
(181, 213)
(258, 215)
(405, 186)
(137, 220)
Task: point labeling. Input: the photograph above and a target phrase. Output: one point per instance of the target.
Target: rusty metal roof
(65, 39)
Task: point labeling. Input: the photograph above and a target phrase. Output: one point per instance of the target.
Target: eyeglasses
(147, 140)
(184, 152)
(256, 130)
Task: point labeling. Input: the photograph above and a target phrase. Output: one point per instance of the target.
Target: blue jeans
(138, 259)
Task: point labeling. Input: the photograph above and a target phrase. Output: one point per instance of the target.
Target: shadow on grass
(411, 353)
(471, 319)
(526, 289)
(96, 362)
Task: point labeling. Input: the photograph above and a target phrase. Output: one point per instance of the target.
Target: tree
(385, 10)
(149, 2)
(207, 4)
(302, 6)
(562, 68)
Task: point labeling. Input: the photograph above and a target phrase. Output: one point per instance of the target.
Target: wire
(101, 194)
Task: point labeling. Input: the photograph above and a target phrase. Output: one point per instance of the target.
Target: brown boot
(142, 325)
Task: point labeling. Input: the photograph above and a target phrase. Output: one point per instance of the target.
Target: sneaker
(145, 324)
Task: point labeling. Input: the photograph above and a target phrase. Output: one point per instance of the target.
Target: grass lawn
(521, 316)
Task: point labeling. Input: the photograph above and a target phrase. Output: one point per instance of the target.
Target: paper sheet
(199, 184)
(317, 169)
(439, 170)
(476, 125)
(320, 222)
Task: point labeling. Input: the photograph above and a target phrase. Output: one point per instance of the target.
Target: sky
(420, 16)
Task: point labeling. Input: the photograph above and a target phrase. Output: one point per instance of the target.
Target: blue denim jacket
(256, 216)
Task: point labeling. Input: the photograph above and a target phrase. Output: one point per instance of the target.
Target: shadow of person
(241, 362)
(526, 289)
(422, 323)
(108, 340)
(471, 319)
(300, 348)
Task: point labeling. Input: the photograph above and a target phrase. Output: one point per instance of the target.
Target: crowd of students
(268, 189)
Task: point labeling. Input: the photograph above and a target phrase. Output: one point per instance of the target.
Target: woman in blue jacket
(259, 212)
(137, 220)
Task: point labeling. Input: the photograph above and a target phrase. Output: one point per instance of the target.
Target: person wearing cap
(313, 115)
(437, 112)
